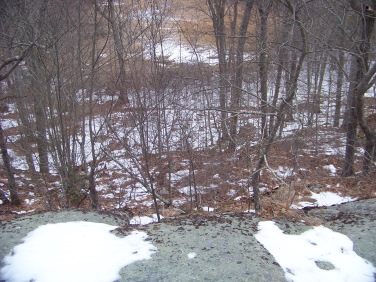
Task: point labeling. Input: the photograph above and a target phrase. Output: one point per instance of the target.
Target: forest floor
(300, 164)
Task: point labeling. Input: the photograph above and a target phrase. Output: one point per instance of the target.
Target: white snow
(191, 190)
(298, 255)
(231, 192)
(332, 169)
(208, 209)
(324, 199)
(283, 172)
(250, 211)
(179, 175)
(192, 255)
(330, 198)
(144, 220)
(74, 251)
(24, 212)
(29, 201)
(182, 53)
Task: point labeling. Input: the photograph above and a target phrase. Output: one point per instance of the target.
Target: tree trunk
(23, 110)
(368, 26)
(234, 15)
(40, 84)
(290, 94)
(217, 13)
(280, 68)
(341, 65)
(363, 77)
(264, 13)
(350, 91)
(351, 126)
(236, 92)
(41, 133)
(119, 48)
(320, 73)
(93, 165)
(14, 198)
(288, 115)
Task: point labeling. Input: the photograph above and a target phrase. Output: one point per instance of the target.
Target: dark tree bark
(264, 9)
(351, 126)
(93, 193)
(217, 13)
(290, 94)
(7, 67)
(236, 92)
(39, 84)
(339, 86)
(361, 84)
(14, 198)
(319, 79)
(370, 146)
(119, 47)
(281, 65)
(234, 16)
(41, 134)
(368, 27)
(350, 91)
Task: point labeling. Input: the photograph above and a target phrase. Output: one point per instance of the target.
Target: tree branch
(16, 60)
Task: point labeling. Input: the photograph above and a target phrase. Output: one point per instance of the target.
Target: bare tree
(282, 57)
(290, 94)
(14, 198)
(364, 78)
(237, 86)
(217, 11)
(339, 86)
(114, 16)
(147, 124)
(9, 63)
(38, 81)
(264, 8)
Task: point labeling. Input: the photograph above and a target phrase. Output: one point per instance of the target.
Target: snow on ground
(319, 254)
(186, 190)
(291, 128)
(231, 193)
(179, 175)
(332, 169)
(250, 211)
(329, 150)
(191, 255)
(283, 172)
(324, 199)
(24, 212)
(30, 201)
(330, 198)
(182, 53)
(143, 220)
(9, 123)
(74, 251)
(208, 209)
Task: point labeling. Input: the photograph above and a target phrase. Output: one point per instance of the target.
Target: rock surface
(225, 247)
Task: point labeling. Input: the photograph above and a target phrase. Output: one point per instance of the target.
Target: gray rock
(225, 246)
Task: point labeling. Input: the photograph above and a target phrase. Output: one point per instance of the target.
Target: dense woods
(227, 91)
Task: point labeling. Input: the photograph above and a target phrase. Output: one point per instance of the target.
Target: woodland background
(151, 104)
